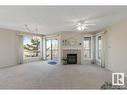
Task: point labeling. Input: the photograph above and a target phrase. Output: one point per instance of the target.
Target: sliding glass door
(48, 49)
(52, 49)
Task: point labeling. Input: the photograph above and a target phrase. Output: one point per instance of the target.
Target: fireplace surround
(71, 51)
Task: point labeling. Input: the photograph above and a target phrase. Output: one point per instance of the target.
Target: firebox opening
(71, 58)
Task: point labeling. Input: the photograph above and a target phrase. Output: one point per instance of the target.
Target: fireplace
(71, 58)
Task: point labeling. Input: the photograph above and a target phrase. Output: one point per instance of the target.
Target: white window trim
(88, 35)
(50, 38)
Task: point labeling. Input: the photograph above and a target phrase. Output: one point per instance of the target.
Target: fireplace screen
(71, 58)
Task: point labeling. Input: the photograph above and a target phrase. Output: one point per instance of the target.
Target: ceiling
(50, 19)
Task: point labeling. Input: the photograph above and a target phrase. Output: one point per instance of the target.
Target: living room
(80, 42)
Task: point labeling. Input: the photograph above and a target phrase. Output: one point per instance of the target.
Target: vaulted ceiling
(50, 19)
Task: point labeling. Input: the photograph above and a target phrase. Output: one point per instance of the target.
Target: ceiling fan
(83, 25)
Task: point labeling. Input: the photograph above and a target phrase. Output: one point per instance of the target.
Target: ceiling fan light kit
(81, 28)
(82, 25)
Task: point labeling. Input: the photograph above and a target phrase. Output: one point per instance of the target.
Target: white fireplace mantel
(71, 48)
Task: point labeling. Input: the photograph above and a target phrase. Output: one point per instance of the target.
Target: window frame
(88, 58)
(98, 46)
(40, 56)
(52, 49)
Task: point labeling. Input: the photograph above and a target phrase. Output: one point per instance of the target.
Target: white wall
(8, 48)
(71, 36)
(117, 47)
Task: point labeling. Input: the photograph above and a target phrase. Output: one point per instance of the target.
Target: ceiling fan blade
(69, 25)
(90, 24)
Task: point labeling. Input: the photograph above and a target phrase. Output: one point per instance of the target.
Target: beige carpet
(40, 75)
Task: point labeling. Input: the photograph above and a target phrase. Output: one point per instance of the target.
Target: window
(99, 47)
(87, 47)
(52, 49)
(31, 46)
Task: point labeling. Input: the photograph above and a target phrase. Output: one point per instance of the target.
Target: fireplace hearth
(71, 58)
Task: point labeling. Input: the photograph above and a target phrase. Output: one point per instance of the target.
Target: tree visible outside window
(31, 46)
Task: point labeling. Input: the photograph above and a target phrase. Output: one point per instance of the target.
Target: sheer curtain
(103, 51)
(20, 49)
